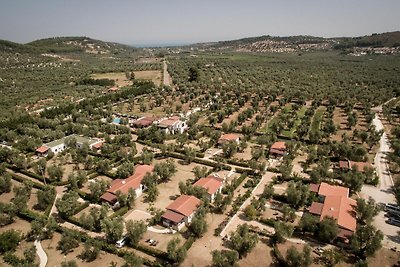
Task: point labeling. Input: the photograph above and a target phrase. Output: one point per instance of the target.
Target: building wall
(59, 148)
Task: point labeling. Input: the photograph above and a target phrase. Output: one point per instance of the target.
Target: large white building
(59, 145)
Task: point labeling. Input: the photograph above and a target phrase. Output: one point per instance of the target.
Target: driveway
(383, 193)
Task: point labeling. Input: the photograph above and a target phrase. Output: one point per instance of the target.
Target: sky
(158, 22)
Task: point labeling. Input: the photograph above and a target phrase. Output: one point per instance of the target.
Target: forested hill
(388, 39)
(268, 43)
(65, 45)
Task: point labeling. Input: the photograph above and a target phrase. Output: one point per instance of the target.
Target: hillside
(388, 39)
(79, 44)
(65, 45)
(268, 43)
(11, 47)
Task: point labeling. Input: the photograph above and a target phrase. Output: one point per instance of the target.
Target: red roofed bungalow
(278, 149)
(212, 184)
(180, 212)
(123, 185)
(335, 203)
(143, 122)
(347, 165)
(42, 151)
(226, 138)
(97, 146)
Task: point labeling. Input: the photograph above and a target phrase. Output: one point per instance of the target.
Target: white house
(59, 145)
(172, 125)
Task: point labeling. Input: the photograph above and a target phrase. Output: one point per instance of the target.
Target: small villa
(59, 145)
(172, 125)
(278, 150)
(143, 122)
(227, 138)
(346, 165)
(123, 185)
(180, 212)
(212, 184)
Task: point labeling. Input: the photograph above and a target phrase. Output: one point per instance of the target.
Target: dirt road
(166, 77)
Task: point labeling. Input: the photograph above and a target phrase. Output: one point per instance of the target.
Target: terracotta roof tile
(185, 205)
(360, 166)
(210, 183)
(344, 164)
(107, 196)
(173, 216)
(342, 209)
(279, 146)
(314, 188)
(42, 149)
(98, 145)
(332, 190)
(316, 208)
(132, 181)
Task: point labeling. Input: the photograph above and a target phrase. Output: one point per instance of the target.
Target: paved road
(42, 255)
(383, 193)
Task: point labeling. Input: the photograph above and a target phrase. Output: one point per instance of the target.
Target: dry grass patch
(153, 75)
(118, 77)
(56, 258)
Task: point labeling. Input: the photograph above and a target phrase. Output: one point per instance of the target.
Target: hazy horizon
(176, 22)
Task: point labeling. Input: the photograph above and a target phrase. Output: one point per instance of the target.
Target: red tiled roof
(316, 208)
(332, 190)
(185, 205)
(107, 196)
(42, 149)
(360, 166)
(211, 183)
(229, 137)
(279, 146)
(342, 209)
(277, 151)
(344, 164)
(144, 121)
(314, 188)
(132, 181)
(169, 121)
(98, 145)
(173, 216)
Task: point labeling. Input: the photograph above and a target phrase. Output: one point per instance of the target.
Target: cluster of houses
(181, 211)
(170, 125)
(332, 201)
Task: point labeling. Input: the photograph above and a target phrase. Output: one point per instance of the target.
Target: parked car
(120, 243)
(393, 221)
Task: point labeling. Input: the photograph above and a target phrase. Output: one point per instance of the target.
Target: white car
(120, 243)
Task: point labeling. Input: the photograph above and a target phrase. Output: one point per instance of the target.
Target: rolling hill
(268, 43)
(65, 45)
